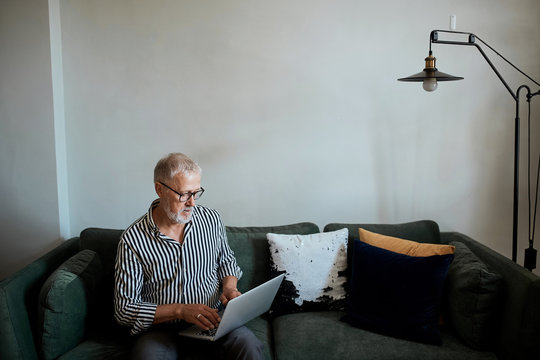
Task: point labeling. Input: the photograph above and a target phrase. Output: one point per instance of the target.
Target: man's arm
(230, 291)
(228, 269)
(129, 309)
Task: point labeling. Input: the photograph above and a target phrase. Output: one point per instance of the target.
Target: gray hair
(174, 163)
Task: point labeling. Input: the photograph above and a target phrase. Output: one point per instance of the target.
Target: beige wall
(293, 110)
(28, 187)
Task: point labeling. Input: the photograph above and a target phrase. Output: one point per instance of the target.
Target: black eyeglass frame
(196, 195)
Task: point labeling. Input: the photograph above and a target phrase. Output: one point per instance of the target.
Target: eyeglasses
(183, 197)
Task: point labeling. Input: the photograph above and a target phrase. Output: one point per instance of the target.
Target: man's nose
(191, 201)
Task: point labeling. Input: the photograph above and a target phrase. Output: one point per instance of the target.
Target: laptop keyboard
(210, 332)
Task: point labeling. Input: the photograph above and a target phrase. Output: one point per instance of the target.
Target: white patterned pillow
(314, 267)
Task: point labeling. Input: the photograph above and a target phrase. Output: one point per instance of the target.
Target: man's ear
(159, 189)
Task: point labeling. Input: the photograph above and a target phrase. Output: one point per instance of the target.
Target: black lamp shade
(430, 72)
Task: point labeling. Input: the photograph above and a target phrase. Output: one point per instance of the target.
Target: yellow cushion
(402, 246)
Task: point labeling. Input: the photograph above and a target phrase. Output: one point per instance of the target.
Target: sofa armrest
(19, 302)
(518, 334)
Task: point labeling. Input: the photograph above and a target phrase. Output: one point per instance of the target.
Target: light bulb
(430, 84)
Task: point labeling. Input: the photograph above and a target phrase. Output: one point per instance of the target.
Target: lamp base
(530, 258)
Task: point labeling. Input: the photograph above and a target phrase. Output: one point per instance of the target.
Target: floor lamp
(430, 76)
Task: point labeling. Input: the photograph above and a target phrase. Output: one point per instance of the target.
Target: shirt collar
(150, 218)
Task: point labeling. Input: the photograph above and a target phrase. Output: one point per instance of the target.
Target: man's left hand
(229, 294)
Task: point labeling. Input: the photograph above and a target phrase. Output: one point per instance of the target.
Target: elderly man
(173, 267)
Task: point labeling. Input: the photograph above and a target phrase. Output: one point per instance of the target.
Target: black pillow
(472, 294)
(396, 294)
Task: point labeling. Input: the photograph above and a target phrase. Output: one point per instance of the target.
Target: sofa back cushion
(518, 335)
(250, 247)
(473, 298)
(248, 243)
(104, 242)
(423, 231)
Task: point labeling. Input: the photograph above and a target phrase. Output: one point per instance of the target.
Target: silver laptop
(239, 311)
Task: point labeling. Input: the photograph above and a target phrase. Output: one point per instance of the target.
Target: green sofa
(91, 333)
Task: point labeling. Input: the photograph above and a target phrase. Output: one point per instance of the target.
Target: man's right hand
(201, 315)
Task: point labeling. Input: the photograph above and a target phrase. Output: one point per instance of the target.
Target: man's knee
(242, 344)
(155, 346)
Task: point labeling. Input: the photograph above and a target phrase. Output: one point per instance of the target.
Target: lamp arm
(434, 38)
(508, 61)
(530, 96)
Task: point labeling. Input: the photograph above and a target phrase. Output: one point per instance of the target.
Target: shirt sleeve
(129, 309)
(227, 262)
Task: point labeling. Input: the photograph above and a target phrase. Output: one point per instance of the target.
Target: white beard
(177, 218)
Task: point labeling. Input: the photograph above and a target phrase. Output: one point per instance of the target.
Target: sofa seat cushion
(117, 348)
(262, 329)
(251, 249)
(98, 348)
(321, 335)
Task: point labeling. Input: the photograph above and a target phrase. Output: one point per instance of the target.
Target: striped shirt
(152, 269)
